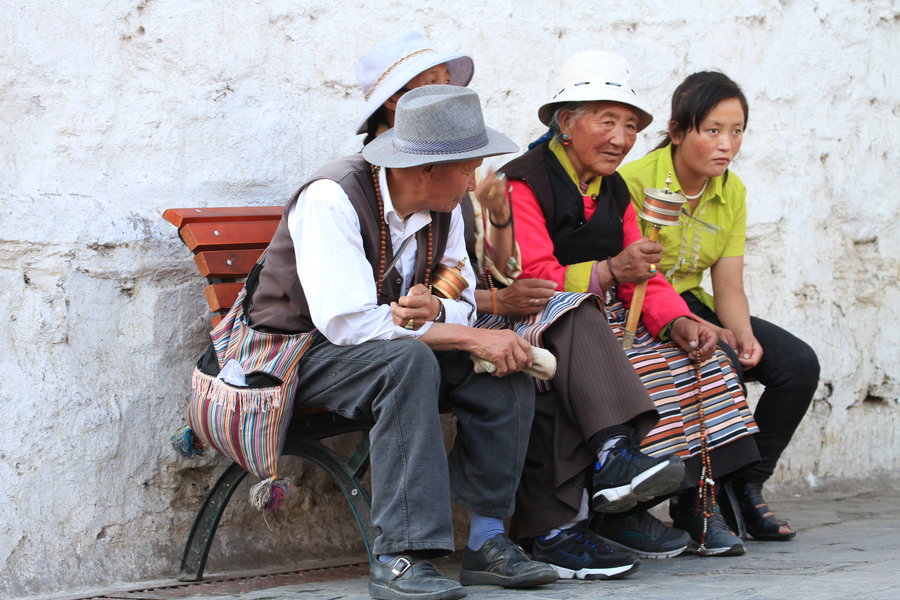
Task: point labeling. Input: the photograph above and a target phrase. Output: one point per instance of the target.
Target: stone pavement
(847, 547)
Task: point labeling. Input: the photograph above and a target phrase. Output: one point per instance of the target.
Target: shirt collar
(666, 165)
(559, 152)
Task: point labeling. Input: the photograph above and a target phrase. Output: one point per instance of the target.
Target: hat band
(388, 71)
(445, 147)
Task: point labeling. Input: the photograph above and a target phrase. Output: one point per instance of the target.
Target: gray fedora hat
(436, 124)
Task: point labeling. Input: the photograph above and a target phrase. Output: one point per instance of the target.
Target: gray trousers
(400, 385)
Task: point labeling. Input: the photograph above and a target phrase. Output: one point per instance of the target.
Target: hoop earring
(566, 140)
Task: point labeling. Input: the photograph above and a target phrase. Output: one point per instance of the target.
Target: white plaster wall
(112, 111)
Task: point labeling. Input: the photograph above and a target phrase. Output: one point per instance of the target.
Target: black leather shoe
(408, 577)
(501, 562)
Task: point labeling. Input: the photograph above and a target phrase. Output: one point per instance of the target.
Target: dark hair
(373, 123)
(699, 94)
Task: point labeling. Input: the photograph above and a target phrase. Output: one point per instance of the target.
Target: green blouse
(691, 247)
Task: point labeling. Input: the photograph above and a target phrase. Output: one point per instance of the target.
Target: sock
(481, 529)
(581, 516)
(599, 442)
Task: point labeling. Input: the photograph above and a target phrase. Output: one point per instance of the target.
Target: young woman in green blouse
(705, 131)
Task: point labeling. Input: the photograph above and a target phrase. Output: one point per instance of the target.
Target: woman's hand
(415, 308)
(695, 338)
(525, 297)
(749, 350)
(723, 334)
(491, 194)
(632, 265)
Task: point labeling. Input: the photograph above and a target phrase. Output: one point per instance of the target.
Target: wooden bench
(226, 243)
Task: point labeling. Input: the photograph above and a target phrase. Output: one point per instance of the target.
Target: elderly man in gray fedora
(352, 258)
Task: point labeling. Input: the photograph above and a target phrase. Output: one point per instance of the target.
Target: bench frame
(226, 243)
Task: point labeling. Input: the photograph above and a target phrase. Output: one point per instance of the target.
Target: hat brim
(382, 152)
(461, 69)
(591, 94)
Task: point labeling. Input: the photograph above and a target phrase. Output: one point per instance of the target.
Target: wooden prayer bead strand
(428, 259)
(382, 232)
(382, 241)
(706, 491)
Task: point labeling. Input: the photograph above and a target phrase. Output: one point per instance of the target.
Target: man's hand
(525, 297)
(697, 339)
(508, 351)
(632, 265)
(415, 308)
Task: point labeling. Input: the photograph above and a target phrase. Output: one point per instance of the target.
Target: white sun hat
(385, 69)
(596, 76)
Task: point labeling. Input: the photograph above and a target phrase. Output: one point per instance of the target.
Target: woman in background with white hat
(576, 226)
(705, 131)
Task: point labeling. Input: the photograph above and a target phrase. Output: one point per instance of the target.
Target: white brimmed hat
(436, 124)
(596, 76)
(385, 69)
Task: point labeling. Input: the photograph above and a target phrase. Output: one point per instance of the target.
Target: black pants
(789, 370)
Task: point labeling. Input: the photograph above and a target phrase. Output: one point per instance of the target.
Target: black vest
(574, 239)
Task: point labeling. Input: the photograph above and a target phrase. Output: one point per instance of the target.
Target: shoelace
(719, 521)
(627, 452)
(650, 524)
(592, 540)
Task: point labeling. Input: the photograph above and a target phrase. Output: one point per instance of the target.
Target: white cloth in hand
(543, 364)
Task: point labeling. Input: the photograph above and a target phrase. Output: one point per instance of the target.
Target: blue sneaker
(579, 553)
(629, 476)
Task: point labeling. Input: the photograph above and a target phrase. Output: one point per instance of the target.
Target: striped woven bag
(249, 424)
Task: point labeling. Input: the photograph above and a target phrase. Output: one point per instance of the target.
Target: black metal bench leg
(347, 475)
(731, 510)
(193, 561)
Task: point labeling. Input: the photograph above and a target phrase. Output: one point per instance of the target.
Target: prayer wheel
(448, 282)
(661, 208)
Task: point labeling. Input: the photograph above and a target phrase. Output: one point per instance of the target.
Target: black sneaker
(579, 553)
(643, 534)
(629, 476)
(719, 539)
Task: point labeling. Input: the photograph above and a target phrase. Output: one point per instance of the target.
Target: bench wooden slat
(182, 216)
(221, 296)
(224, 236)
(226, 264)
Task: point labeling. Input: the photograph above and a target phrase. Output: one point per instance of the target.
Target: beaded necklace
(383, 236)
(700, 193)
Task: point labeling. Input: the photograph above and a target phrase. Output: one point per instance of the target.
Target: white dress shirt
(337, 277)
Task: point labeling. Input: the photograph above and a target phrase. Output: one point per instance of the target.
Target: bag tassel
(270, 494)
(186, 443)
